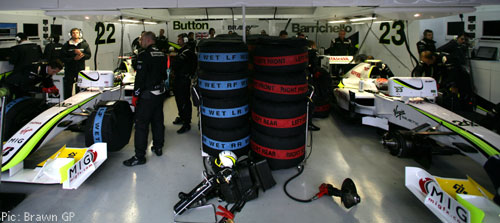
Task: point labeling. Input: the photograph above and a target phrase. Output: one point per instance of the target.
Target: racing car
(108, 119)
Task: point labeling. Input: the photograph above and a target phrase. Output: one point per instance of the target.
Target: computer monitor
(30, 29)
(455, 28)
(486, 53)
(56, 30)
(8, 29)
(490, 28)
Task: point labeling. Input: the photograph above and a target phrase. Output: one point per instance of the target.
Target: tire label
(223, 57)
(279, 123)
(322, 108)
(280, 88)
(281, 60)
(223, 85)
(224, 113)
(232, 145)
(97, 129)
(277, 153)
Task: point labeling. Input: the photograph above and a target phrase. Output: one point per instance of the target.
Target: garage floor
(147, 193)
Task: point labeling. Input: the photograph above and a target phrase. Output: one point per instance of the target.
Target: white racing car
(108, 119)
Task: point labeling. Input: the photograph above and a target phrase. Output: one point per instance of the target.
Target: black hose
(407, 46)
(301, 169)
(363, 42)
(96, 49)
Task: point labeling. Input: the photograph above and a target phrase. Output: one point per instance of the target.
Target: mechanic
(457, 50)
(74, 53)
(183, 67)
(191, 41)
(53, 49)
(211, 33)
(340, 46)
(458, 80)
(427, 43)
(149, 93)
(283, 34)
(24, 55)
(161, 36)
(425, 67)
(34, 79)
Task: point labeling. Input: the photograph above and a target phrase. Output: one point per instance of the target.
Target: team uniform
(73, 67)
(31, 80)
(24, 56)
(149, 88)
(426, 45)
(184, 65)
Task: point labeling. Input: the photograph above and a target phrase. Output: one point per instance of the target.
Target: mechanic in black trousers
(184, 66)
(35, 79)
(24, 55)
(427, 43)
(149, 93)
(74, 53)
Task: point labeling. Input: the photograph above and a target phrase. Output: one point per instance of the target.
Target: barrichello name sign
(191, 25)
(320, 28)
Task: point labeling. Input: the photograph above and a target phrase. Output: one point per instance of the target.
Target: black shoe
(184, 128)
(178, 121)
(157, 151)
(134, 161)
(313, 127)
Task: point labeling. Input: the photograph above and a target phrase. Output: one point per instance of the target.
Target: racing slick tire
(19, 112)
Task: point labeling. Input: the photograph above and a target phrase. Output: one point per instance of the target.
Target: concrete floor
(147, 193)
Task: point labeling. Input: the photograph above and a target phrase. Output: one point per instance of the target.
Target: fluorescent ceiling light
(337, 21)
(358, 23)
(362, 19)
(417, 15)
(87, 18)
(382, 21)
(129, 20)
(151, 23)
(83, 12)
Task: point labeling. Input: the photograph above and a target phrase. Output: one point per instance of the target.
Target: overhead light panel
(150, 23)
(362, 19)
(129, 20)
(382, 21)
(357, 23)
(337, 21)
(417, 15)
(87, 18)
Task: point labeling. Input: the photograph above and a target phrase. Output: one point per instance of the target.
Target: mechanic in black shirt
(341, 46)
(458, 79)
(425, 67)
(149, 92)
(53, 49)
(24, 55)
(74, 53)
(457, 50)
(34, 79)
(183, 66)
(427, 43)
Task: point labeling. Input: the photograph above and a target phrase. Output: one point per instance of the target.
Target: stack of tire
(223, 84)
(322, 93)
(279, 108)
